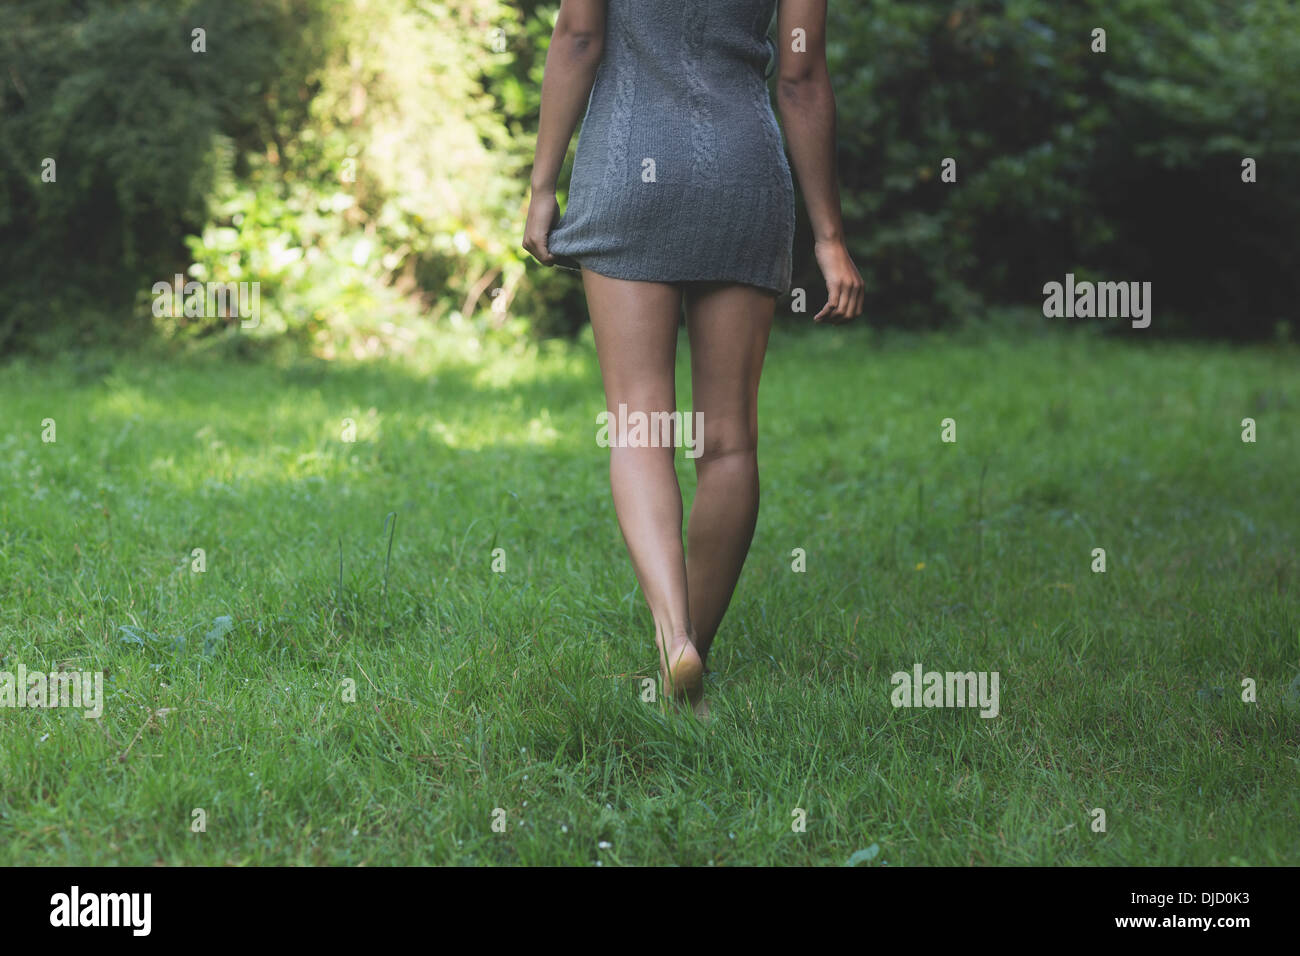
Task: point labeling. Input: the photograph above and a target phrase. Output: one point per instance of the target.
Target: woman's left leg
(635, 324)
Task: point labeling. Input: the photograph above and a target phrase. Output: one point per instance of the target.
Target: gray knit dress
(680, 173)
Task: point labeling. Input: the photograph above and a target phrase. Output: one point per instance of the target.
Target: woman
(681, 196)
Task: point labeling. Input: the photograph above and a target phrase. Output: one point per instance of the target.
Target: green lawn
(1120, 691)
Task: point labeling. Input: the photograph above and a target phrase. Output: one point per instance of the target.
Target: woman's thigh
(635, 325)
(729, 327)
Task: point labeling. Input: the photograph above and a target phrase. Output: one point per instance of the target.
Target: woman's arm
(806, 104)
(571, 63)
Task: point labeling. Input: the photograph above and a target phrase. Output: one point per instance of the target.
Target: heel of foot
(701, 709)
(686, 671)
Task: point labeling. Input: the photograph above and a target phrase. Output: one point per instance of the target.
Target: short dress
(680, 172)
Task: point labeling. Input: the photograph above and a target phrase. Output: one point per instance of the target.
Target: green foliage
(343, 156)
(368, 164)
(1125, 163)
(115, 95)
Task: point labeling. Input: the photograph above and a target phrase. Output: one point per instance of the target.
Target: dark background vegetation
(229, 165)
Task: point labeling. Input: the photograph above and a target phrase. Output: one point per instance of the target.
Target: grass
(478, 692)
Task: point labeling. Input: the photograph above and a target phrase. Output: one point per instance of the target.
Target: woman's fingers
(537, 247)
(543, 211)
(544, 252)
(847, 299)
(844, 302)
(845, 290)
(831, 309)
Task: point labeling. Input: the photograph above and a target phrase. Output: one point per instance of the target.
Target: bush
(1125, 164)
(369, 165)
(114, 96)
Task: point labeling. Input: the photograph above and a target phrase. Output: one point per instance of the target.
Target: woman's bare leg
(635, 325)
(729, 327)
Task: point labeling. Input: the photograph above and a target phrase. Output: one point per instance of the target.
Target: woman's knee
(726, 440)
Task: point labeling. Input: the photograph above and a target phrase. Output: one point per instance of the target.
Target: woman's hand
(543, 210)
(844, 284)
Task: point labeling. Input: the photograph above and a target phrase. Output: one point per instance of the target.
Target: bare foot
(701, 709)
(680, 669)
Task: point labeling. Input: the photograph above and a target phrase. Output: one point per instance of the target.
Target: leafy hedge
(368, 164)
(112, 93)
(1122, 166)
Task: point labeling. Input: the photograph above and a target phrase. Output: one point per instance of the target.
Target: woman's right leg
(729, 327)
(635, 324)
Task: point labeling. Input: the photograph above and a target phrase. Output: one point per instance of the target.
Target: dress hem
(615, 272)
